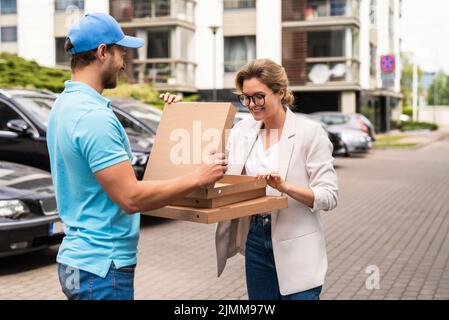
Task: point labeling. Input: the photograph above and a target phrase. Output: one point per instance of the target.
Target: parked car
(352, 130)
(23, 124)
(355, 121)
(29, 219)
(335, 138)
(146, 113)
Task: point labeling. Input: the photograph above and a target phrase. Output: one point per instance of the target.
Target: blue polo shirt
(83, 137)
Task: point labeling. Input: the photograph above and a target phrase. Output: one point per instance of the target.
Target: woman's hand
(303, 195)
(169, 97)
(275, 181)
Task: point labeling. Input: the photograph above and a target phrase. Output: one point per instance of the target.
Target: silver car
(355, 130)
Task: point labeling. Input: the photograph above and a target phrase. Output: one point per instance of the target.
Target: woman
(285, 254)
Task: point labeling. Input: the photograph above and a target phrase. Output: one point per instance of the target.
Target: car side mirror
(18, 126)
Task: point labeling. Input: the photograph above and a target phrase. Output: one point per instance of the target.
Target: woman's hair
(82, 59)
(270, 74)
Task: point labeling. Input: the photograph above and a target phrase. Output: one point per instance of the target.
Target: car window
(7, 114)
(39, 108)
(334, 120)
(364, 119)
(130, 126)
(145, 114)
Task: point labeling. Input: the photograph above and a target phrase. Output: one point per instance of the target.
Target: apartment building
(330, 48)
(167, 59)
(36, 29)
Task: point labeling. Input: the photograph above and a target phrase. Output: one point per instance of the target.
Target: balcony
(317, 9)
(147, 13)
(166, 74)
(332, 72)
(239, 4)
(316, 13)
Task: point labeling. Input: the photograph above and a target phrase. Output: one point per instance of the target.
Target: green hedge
(16, 72)
(407, 111)
(414, 125)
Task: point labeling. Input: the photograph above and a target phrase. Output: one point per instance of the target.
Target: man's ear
(101, 52)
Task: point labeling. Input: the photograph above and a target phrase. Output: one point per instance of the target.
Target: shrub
(16, 72)
(142, 92)
(407, 111)
(414, 125)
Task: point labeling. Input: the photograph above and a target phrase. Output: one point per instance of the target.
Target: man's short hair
(82, 59)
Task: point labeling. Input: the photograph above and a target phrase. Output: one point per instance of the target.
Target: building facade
(330, 48)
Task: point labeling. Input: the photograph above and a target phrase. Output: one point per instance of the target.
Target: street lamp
(214, 29)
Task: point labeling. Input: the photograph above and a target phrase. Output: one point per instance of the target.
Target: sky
(425, 32)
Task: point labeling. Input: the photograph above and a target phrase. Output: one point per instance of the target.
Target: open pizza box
(187, 131)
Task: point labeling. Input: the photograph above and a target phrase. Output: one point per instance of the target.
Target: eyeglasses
(258, 99)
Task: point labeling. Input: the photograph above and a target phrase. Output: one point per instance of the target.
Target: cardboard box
(229, 212)
(230, 189)
(221, 200)
(186, 132)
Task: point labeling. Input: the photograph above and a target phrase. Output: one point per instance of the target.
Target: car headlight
(13, 208)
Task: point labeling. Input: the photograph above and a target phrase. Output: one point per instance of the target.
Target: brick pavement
(393, 214)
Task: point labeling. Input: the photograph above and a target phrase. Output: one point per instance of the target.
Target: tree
(439, 90)
(407, 79)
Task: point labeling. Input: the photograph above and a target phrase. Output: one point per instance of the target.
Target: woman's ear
(282, 93)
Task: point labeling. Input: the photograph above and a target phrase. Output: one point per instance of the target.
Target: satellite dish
(339, 70)
(320, 74)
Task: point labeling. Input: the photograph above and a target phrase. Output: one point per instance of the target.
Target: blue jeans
(81, 285)
(261, 275)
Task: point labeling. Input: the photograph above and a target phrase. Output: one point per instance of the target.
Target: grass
(395, 145)
(382, 142)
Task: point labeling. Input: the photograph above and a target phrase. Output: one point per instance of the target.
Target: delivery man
(98, 196)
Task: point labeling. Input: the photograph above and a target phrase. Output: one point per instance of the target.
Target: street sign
(387, 80)
(387, 63)
(387, 67)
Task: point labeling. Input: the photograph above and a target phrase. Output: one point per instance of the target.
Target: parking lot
(393, 216)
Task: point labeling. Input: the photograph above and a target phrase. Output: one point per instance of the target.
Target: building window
(62, 57)
(338, 7)
(325, 8)
(151, 8)
(62, 5)
(239, 4)
(372, 12)
(8, 6)
(373, 60)
(158, 44)
(238, 51)
(325, 43)
(8, 34)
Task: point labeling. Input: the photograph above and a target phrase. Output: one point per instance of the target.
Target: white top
(262, 161)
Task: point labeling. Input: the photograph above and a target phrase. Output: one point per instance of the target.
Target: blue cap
(99, 28)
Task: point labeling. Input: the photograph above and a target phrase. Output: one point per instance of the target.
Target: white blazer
(298, 240)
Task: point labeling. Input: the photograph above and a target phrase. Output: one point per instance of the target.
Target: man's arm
(120, 183)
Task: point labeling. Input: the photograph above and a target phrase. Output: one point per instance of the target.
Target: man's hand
(212, 169)
(169, 98)
(274, 180)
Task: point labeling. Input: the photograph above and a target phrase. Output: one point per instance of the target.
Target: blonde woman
(285, 253)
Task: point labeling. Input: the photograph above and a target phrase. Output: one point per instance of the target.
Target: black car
(29, 219)
(24, 116)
